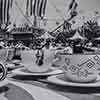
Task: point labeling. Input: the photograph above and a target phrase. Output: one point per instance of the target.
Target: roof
(21, 30)
(24, 30)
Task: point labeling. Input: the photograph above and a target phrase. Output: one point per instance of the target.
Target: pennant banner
(73, 9)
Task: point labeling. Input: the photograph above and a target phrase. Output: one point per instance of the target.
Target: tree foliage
(90, 30)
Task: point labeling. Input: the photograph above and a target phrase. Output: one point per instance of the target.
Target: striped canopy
(5, 6)
(36, 7)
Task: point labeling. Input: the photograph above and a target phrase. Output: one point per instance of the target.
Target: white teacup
(29, 60)
(80, 67)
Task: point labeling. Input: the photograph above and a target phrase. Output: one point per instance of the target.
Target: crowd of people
(71, 47)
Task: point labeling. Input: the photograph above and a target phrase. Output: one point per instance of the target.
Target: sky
(85, 7)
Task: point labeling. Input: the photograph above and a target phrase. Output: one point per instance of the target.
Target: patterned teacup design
(80, 68)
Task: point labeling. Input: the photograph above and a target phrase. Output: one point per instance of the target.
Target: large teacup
(29, 60)
(80, 67)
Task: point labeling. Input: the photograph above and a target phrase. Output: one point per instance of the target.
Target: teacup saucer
(62, 81)
(23, 71)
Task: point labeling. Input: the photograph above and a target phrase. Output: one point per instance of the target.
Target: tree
(90, 30)
(63, 36)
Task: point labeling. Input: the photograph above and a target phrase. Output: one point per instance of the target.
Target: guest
(68, 49)
(39, 57)
(17, 54)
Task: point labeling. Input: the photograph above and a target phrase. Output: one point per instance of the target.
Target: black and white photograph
(49, 49)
